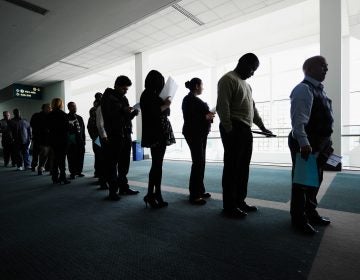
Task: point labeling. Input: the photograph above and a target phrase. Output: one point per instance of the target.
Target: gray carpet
(264, 183)
(71, 232)
(343, 193)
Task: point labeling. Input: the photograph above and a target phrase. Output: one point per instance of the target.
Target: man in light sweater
(237, 112)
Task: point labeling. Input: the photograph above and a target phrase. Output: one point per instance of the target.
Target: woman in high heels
(156, 133)
(58, 133)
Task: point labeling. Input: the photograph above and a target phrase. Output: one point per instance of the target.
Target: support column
(330, 48)
(141, 69)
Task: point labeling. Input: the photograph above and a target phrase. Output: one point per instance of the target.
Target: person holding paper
(116, 142)
(156, 133)
(311, 121)
(197, 122)
(99, 162)
(237, 112)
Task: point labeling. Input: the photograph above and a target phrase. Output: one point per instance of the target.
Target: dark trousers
(197, 147)
(155, 174)
(117, 156)
(21, 154)
(35, 154)
(237, 155)
(75, 156)
(44, 155)
(8, 153)
(99, 162)
(303, 198)
(58, 164)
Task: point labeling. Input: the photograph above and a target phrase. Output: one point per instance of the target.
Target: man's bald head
(316, 67)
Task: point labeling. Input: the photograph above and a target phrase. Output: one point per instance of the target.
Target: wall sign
(28, 92)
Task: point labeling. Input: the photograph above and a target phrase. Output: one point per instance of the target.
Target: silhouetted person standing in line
(99, 161)
(157, 133)
(312, 126)
(21, 133)
(94, 133)
(7, 141)
(237, 112)
(58, 138)
(76, 142)
(117, 116)
(197, 122)
(40, 139)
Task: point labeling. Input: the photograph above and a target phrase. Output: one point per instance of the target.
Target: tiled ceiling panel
(156, 30)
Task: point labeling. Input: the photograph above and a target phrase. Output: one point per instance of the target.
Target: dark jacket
(156, 128)
(91, 125)
(116, 115)
(5, 130)
(58, 129)
(20, 131)
(76, 128)
(194, 113)
(40, 128)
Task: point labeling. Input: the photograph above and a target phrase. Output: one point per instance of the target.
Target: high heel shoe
(151, 200)
(160, 201)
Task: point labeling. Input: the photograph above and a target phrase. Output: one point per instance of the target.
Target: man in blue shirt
(311, 121)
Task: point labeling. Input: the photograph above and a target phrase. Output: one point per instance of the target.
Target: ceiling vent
(29, 6)
(187, 14)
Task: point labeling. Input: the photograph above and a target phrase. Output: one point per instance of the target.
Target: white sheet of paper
(169, 89)
(137, 106)
(334, 160)
(213, 110)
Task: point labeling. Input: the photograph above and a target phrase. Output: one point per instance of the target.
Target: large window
(350, 108)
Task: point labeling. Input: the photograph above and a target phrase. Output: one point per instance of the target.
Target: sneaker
(20, 168)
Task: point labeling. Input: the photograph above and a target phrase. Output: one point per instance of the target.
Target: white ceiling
(134, 34)
(30, 41)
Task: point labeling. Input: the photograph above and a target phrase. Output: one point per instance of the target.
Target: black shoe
(197, 201)
(304, 228)
(151, 200)
(205, 195)
(72, 176)
(248, 208)
(33, 169)
(80, 175)
(114, 197)
(235, 213)
(128, 192)
(40, 172)
(160, 201)
(319, 220)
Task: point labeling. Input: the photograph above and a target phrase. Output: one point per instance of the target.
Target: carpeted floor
(343, 194)
(276, 187)
(72, 232)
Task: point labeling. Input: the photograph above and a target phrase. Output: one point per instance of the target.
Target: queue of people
(57, 135)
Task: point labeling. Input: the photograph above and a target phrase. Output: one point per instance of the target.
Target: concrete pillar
(141, 69)
(330, 48)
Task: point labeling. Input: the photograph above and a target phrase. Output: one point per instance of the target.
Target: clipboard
(306, 171)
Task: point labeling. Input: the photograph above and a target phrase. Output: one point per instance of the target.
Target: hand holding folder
(306, 171)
